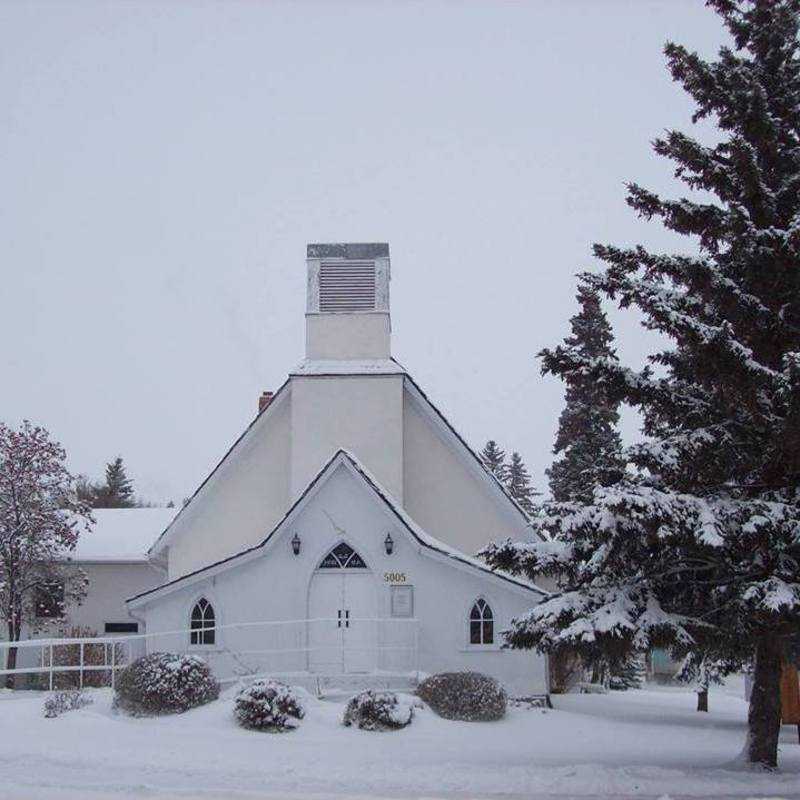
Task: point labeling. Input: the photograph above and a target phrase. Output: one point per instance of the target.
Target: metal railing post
(51, 666)
(81, 667)
(113, 661)
(416, 647)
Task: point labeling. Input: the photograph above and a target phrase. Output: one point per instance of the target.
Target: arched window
(342, 556)
(481, 623)
(202, 623)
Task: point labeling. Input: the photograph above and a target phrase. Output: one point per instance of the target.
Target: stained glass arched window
(202, 623)
(342, 556)
(481, 623)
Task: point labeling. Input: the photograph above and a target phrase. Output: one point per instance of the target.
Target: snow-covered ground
(647, 743)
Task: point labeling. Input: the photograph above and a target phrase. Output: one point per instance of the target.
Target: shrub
(467, 696)
(267, 705)
(60, 702)
(165, 683)
(380, 711)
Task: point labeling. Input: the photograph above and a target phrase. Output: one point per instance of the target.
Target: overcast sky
(163, 165)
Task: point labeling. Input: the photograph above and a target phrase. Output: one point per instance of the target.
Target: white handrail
(100, 638)
(299, 645)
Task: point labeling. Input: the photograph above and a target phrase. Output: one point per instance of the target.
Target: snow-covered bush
(60, 702)
(380, 711)
(165, 683)
(268, 705)
(468, 696)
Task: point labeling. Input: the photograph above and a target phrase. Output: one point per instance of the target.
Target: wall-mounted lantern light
(296, 545)
(388, 543)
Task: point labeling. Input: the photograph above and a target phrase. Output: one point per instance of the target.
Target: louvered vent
(347, 286)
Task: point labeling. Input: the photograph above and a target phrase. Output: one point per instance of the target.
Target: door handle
(347, 618)
(339, 618)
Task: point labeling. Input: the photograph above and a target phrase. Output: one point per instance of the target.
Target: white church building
(335, 536)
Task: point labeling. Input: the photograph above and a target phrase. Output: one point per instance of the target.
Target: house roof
(458, 442)
(342, 457)
(161, 540)
(121, 534)
(375, 367)
(425, 538)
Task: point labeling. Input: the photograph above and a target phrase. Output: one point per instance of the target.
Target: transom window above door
(342, 557)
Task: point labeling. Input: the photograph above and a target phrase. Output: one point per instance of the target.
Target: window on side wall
(481, 623)
(122, 627)
(202, 623)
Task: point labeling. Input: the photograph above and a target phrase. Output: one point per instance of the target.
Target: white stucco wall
(243, 500)
(109, 586)
(361, 414)
(274, 585)
(442, 492)
(363, 335)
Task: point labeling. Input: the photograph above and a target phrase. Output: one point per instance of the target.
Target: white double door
(342, 628)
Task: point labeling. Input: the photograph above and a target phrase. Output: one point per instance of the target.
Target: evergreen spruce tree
(702, 670)
(518, 483)
(628, 675)
(587, 441)
(117, 491)
(590, 448)
(495, 460)
(699, 549)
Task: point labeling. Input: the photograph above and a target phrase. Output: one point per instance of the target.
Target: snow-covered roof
(370, 366)
(428, 542)
(121, 534)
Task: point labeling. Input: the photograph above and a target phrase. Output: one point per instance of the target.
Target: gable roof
(161, 541)
(375, 367)
(428, 542)
(459, 444)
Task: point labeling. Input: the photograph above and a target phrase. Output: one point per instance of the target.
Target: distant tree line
(116, 491)
(513, 475)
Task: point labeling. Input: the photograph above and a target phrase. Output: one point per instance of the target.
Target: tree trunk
(702, 700)
(11, 659)
(764, 718)
(599, 672)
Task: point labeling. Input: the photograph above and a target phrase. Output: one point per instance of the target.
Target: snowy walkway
(630, 744)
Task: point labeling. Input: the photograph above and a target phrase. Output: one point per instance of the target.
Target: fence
(309, 646)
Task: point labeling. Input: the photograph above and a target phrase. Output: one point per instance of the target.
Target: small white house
(334, 536)
(113, 557)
